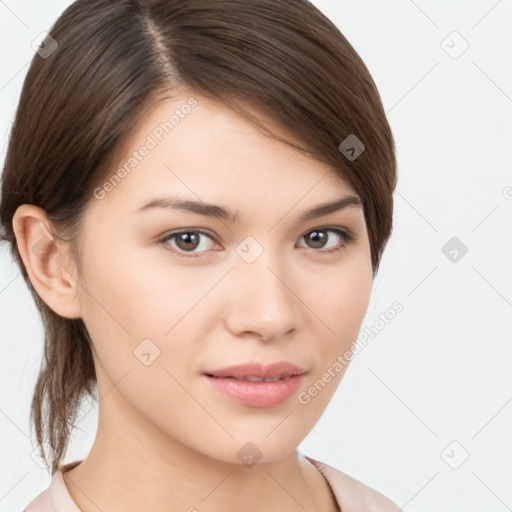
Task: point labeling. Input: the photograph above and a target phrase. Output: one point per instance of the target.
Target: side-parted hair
(114, 60)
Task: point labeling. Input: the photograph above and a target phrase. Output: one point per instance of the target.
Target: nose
(261, 299)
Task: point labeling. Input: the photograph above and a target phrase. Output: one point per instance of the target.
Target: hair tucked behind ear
(114, 59)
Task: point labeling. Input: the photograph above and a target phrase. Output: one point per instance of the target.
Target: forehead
(201, 149)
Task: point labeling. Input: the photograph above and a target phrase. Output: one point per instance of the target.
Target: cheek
(142, 298)
(132, 309)
(138, 317)
(340, 300)
(340, 304)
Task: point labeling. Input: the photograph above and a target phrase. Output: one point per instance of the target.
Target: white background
(439, 372)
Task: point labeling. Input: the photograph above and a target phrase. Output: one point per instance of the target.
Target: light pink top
(351, 494)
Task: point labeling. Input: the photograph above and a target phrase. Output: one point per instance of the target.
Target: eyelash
(346, 236)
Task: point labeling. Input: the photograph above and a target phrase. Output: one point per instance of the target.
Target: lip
(258, 370)
(257, 394)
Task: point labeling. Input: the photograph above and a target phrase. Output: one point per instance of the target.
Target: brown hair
(114, 58)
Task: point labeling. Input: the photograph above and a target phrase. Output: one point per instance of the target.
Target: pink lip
(258, 370)
(257, 394)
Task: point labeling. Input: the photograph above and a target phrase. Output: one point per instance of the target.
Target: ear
(44, 261)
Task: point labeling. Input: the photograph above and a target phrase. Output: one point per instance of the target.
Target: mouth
(256, 371)
(255, 385)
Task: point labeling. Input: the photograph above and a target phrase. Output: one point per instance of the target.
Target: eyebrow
(221, 213)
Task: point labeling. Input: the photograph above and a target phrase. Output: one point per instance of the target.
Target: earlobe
(43, 259)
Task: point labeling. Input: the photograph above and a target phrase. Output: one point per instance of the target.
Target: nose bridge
(262, 300)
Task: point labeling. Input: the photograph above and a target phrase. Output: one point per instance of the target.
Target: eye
(186, 242)
(319, 237)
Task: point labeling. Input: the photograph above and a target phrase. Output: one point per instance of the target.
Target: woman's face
(270, 286)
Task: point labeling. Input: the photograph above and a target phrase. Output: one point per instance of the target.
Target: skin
(166, 440)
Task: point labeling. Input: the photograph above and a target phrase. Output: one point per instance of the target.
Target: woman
(253, 132)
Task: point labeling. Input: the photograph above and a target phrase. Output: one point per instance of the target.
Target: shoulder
(353, 495)
(41, 503)
(56, 498)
